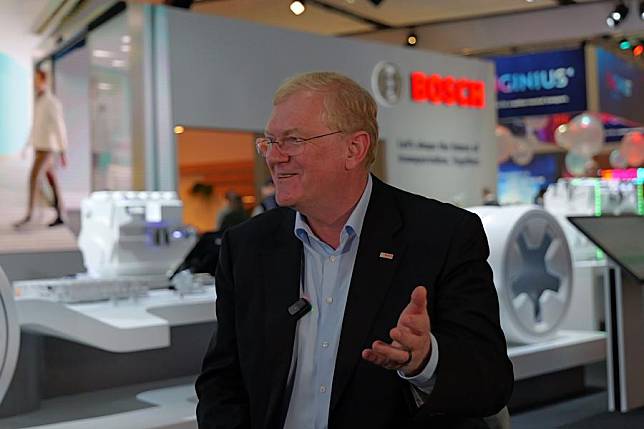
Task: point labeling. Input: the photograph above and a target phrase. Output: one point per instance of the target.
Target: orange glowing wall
(223, 160)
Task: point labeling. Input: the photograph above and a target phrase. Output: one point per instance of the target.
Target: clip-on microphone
(299, 308)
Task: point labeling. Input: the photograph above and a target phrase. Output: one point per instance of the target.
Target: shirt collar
(353, 226)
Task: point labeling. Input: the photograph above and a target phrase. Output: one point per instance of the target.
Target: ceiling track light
(642, 10)
(638, 50)
(412, 38)
(297, 7)
(618, 15)
(624, 44)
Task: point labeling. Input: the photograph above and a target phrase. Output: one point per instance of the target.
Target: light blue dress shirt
(326, 279)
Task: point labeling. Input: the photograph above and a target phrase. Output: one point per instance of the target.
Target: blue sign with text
(541, 84)
(621, 86)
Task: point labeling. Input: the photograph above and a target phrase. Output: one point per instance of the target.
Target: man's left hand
(410, 348)
(63, 159)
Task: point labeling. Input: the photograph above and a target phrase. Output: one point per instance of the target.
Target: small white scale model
(129, 241)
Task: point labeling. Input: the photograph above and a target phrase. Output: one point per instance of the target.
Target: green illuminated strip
(640, 198)
(598, 199)
(599, 255)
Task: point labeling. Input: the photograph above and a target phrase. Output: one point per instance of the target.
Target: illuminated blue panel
(14, 105)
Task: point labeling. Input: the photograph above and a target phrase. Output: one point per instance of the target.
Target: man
(49, 139)
(404, 325)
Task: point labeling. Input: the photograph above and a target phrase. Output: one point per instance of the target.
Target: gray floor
(87, 405)
(562, 413)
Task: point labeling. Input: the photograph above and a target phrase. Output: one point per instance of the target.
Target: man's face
(313, 177)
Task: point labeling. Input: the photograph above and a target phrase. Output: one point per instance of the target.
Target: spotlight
(642, 10)
(297, 7)
(412, 39)
(617, 15)
(638, 50)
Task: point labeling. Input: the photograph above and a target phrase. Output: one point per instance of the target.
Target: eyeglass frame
(297, 144)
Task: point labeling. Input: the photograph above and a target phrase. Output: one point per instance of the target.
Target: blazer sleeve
(474, 376)
(223, 400)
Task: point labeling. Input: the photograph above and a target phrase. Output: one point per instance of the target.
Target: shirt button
(323, 389)
(329, 299)
(332, 258)
(325, 344)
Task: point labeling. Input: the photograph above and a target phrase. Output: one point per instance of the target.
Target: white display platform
(568, 349)
(124, 325)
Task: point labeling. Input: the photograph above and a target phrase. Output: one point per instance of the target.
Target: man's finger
(407, 339)
(385, 355)
(379, 359)
(390, 352)
(416, 323)
(419, 298)
(417, 303)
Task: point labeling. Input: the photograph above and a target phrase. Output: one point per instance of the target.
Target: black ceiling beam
(182, 4)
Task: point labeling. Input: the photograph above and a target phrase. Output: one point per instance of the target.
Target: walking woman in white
(49, 139)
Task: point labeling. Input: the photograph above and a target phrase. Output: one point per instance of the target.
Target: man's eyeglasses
(290, 146)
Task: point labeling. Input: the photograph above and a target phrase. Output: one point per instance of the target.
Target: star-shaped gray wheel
(534, 278)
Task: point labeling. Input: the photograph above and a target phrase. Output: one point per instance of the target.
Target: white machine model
(132, 233)
(589, 197)
(9, 334)
(129, 241)
(532, 269)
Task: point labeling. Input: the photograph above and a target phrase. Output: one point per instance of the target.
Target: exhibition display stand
(625, 327)
(620, 237)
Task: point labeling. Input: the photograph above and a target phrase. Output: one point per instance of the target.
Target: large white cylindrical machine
(532, 267)
(9, 334)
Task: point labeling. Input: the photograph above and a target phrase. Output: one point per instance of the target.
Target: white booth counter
(121, 325)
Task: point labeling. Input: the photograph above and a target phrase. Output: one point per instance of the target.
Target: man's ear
(357, 149)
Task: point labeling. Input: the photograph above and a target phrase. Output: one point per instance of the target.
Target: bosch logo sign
(449, 91)
(386, 83)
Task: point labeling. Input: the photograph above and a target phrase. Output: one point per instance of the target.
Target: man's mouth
(285, 175)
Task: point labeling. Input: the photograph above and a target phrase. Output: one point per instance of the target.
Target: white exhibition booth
(437, 119)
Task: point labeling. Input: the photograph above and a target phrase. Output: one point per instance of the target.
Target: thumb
(418, 302)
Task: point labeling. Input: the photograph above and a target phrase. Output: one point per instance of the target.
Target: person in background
(489, 199)
(354, 304)
(233, 213)
(268, 202)
(538, 199)
(48, 137)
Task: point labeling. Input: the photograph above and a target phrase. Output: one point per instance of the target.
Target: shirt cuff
(425, 380)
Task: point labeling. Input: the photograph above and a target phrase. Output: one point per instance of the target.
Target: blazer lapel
(371, 280)
(281, 270)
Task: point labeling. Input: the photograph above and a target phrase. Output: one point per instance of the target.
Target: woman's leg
(53, 182)
(40, 160)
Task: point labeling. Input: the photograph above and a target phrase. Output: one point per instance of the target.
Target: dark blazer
(242, 384)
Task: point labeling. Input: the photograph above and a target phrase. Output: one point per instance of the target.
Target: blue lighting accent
(14, 105)
(624, 45)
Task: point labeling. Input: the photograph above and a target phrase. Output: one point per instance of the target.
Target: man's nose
(274, 155)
